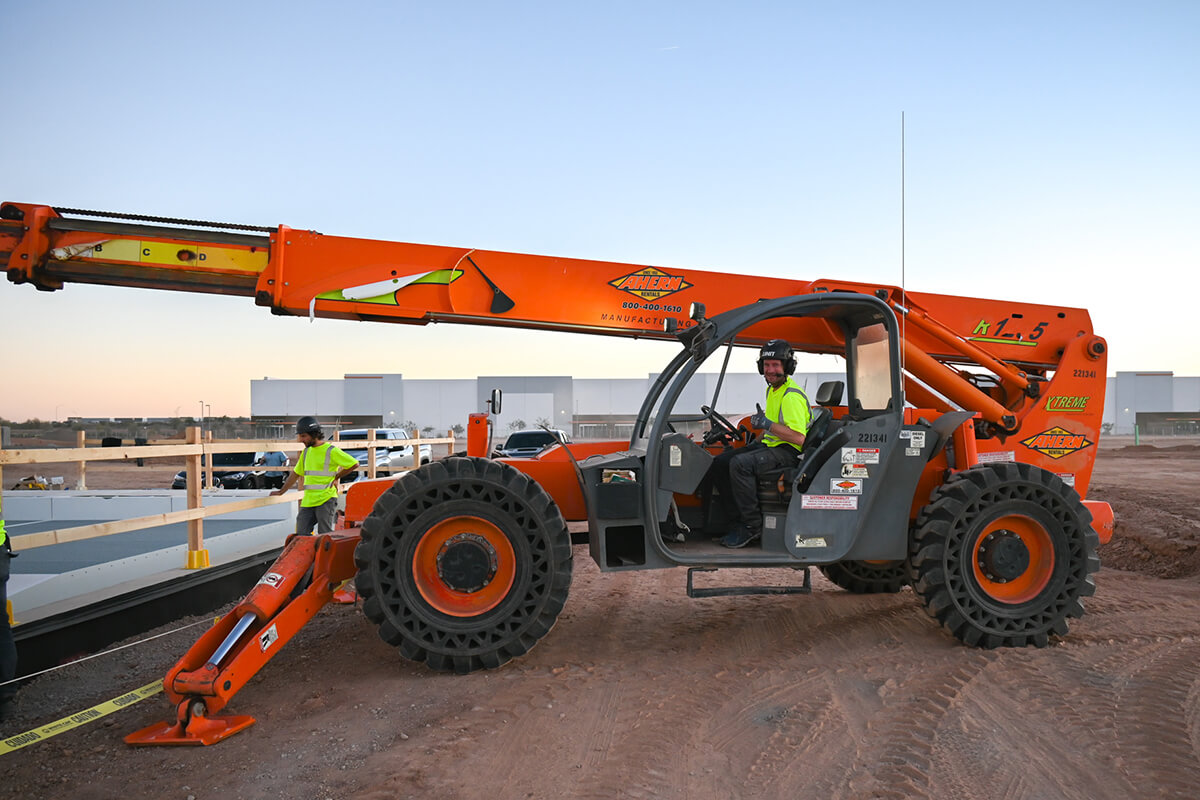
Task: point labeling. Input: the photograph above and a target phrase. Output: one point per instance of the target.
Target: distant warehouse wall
(606, 407)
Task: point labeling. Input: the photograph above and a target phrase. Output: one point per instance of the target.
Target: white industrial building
(1158, 403)
(584, 407)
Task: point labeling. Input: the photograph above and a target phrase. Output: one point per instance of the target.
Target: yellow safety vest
(788, 405)
(317, 482)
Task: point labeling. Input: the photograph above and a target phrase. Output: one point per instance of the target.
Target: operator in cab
(784, 424)
(319, 467)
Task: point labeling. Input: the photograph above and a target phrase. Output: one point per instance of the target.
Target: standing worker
(8, 648)
(273, 458)
(320, 467)
(784, 424)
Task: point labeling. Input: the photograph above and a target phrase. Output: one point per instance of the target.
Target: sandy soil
(641, 692)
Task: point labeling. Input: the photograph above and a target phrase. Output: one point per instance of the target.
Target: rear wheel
(868, 577)
(1003, 555)
(464, 564)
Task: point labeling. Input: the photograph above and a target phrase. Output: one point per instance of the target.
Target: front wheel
(1003, 555)
(464, 564)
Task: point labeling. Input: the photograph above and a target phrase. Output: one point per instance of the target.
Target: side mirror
(494, 402)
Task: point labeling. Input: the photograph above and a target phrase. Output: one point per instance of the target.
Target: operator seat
(775, 486)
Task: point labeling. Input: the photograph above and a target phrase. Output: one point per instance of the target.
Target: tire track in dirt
(899, 765)
(1159, 742)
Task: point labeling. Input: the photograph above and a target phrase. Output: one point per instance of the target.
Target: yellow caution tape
(82, 718)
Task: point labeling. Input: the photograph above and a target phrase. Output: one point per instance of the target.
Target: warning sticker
(1068, 478)
(854, 471)
(912, 451)
(860, 455)
(845, 486)
(997, 457)
(676, 456)
(829, 502)
(271, 579)
(917, 438)
(811, 541)
(267, 638)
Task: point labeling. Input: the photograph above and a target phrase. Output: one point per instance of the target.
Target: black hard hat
(308, 425)
(778, 350)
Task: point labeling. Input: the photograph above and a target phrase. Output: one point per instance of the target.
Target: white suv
(400, 455)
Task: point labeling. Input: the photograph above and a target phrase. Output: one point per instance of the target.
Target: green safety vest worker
(787, 404)
(317, 467)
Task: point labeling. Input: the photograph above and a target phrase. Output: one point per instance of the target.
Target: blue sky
(1051, 156)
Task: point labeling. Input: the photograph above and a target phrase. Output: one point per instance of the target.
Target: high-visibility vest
(317, 483)
(796, 416)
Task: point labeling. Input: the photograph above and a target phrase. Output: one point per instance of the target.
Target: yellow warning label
(82, 718)
(182, 254)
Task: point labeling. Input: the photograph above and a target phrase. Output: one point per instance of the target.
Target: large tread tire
(1023, 508)
(868, 577)
(479, 507)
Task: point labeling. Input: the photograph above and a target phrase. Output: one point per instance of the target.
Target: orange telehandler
(956, 461)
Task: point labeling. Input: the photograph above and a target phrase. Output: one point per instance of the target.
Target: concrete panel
(330, 399)
(85, 505)
(269, 398)
(1186, 394)
(441, 403)
(27, 505)
(528, 408)
(362, 395)
(607, 396)
(560, 386)
(301, 398)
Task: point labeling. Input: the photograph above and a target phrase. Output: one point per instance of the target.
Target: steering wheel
(721, 427)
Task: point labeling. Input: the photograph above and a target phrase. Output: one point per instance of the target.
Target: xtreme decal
(1066, 404)
(1056, 442)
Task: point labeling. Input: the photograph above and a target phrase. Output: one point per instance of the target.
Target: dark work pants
(734, 474)
(323, 516)
(8, 648)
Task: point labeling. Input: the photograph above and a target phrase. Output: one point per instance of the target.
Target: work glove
(758, 420)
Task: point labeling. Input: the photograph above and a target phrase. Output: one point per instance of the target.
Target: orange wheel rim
(1013, 558)
(464, 566)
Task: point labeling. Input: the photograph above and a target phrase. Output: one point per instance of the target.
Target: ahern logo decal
(650, 283)
(1056, 442)
(1067, 404)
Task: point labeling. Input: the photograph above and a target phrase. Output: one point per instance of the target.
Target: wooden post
(371, 453)
(81, 441)
(197, 556)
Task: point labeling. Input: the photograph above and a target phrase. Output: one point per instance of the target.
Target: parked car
(526, 444)
(237, 479)
(394, 456)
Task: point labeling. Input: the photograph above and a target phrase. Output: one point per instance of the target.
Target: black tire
(868, 577)
(1003, 554)
(464, 564)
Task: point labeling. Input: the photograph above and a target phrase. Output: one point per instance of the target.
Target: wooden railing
(194, 452)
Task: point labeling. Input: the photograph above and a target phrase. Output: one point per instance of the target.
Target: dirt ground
(640, 692)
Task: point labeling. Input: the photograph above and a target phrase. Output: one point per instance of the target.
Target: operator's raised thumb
(758, 407)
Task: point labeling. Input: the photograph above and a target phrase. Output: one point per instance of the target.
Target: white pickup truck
(400, 455)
